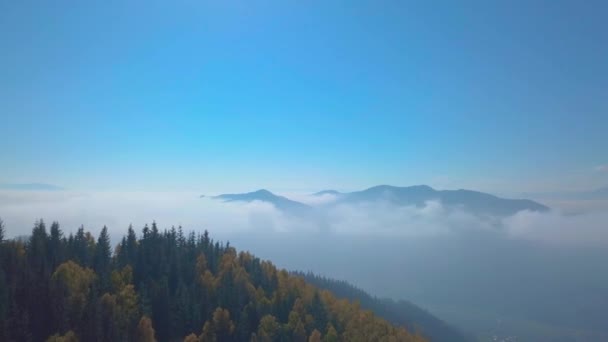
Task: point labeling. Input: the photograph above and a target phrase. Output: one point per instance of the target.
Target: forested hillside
(400, 312)
(164, 286)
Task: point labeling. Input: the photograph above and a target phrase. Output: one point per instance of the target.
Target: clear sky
(304, 95)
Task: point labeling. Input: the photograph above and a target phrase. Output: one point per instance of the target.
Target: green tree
(331, 335)
(56, 247)
(1, 231)
(102, 259)
(4, 304)
(268, 329)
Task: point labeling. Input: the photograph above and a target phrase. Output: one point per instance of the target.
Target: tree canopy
(165, 286)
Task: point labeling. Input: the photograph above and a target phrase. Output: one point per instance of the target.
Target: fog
(485, 274)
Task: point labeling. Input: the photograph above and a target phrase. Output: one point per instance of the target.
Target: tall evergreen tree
(103, 258)
(56, 248)
(1, 231)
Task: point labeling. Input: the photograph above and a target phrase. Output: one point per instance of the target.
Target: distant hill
(401, 312)
(475, 202)
(31, 187)
(471, 201)
(282, 203)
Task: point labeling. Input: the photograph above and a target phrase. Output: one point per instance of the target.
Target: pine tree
(4, 305)
(103, 256)
(56, 246)
(1, 231)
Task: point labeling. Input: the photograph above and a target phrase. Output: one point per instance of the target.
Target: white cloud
(117, 210)
(586, 229)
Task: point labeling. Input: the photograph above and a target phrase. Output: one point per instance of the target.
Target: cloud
(383, 218)
(117, 210)
(588, 229)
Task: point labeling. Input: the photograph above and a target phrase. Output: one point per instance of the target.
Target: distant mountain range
(31, 187)
(475, 202)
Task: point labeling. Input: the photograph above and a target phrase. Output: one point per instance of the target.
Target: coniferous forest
(164, 286)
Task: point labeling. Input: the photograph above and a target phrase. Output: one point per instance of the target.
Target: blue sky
(302, 95)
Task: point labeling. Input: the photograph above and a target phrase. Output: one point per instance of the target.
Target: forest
(401, 313)
(165, 286)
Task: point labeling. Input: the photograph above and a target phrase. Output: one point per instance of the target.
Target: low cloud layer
(116, 210)
(586, 229)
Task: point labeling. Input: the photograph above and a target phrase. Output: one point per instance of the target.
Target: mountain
(478, 203)
(327, 192)
(282, 203)
(475, 202)
(401, 313)
(31, 187)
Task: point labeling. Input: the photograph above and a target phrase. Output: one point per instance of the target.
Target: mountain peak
(327, 192)
(262, 192)
(263, 195)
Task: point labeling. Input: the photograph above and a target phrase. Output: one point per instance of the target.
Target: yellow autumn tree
(220, 328)
(68, 337)
(70, 286)
(315, 336)
(145, 331)
(191, 338)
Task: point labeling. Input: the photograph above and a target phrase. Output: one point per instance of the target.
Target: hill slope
(400, 313)
(165, 286)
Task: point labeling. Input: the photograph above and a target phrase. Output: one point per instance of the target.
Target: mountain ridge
(280, 202)
(476, 202)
